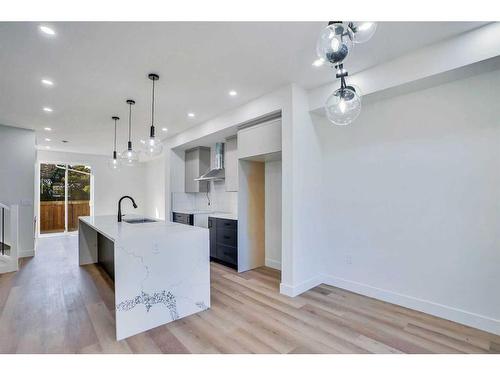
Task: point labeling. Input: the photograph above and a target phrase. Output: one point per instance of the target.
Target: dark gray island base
(106, 255)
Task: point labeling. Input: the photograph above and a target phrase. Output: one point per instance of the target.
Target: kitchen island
(160, 269)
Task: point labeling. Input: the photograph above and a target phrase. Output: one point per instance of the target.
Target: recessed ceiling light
(47, 30)
(318, 62)
(47, 82)
(164, 129)
(191, 114)
(47, 139)
(47, 129)
(47, 147)
(47, 109)
(233, 93)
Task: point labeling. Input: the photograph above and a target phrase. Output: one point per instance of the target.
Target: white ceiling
(97, 66)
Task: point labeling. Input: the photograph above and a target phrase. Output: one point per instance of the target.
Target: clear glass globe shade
(362, 31)
(343, 106)
(357, 89)
(114, 164)
(334, 43)
(130, 158)
(153, 147)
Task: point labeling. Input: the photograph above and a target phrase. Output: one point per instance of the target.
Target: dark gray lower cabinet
(213, 236)
(224, 241)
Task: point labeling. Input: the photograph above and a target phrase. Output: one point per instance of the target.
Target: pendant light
(334, 44)
(129, 156)
(343, 106)
(114, 163)
(153, 146)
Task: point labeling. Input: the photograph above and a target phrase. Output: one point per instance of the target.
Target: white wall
(302, 204)
(17, 175)
(411, 201)
(301, 198)
(109, 185)
(155, 188)
(273, 214)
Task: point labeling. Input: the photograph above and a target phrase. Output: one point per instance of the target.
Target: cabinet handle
(227, 237)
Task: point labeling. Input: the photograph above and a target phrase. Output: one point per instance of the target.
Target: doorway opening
(259, 212)
(65, 195)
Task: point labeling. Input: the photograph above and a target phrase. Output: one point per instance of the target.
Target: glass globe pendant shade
(114, 164)
(153, 147)
(130, 157)
(334, 43)
(362, 31)
(357, 89)
(343, 106)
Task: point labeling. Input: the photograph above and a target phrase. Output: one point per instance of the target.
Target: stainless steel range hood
(218, 173)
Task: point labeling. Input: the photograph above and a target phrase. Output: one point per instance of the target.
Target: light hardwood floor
(54, 306)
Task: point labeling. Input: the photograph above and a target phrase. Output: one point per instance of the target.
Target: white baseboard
(271, 263)
(26, 253)
(454, 314)
(443, 311)
(295, 290)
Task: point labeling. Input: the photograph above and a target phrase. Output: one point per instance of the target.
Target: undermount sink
(140, 220)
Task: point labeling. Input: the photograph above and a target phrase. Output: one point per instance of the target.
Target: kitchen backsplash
(220, 199)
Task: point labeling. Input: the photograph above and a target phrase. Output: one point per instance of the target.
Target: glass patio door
(65, 195)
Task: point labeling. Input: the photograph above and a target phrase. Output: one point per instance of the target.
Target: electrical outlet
(348, 259)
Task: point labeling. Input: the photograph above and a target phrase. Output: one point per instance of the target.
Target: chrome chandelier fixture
(335, 42)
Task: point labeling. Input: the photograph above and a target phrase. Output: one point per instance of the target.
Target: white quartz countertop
(193, 212)
(224, 215)
(217, 214)
(109, 226)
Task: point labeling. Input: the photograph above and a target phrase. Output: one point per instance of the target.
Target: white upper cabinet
(231, 164)
(260, 139)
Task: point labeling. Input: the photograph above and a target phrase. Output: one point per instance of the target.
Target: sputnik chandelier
(335, 42)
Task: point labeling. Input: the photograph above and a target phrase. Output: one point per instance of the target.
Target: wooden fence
(52, 215)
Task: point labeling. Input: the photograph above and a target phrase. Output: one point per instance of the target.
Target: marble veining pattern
(163, 297)
(161, 270)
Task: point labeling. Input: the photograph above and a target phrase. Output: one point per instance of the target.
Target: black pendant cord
(129, 126)
(153, 77)
(341, 74)
(115, 118)
(129, 122)
(152, 132)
